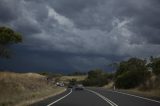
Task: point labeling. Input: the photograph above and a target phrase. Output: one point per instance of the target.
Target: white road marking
(137, 96)
(60, 98)
(103, 97)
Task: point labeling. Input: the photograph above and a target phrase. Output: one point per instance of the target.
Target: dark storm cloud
(145, 15)
(85, 14)
(71, 7)
(27, 28)
(7, 10)
(38, 9)
(81, 34)
(53, 61)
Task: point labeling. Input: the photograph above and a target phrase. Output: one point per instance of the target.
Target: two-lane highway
(75, 98)
(96, 97)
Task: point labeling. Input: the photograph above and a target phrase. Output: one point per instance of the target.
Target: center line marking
(60, 98)
(103, 97)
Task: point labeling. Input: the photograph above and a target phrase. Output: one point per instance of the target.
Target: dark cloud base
(26, 60)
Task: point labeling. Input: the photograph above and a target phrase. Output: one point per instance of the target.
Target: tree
(155, 65)
(113, 65)
(8, 37)
(133, 64)
(131, 73)
(73, 81)
(94, 74)
(96, 78)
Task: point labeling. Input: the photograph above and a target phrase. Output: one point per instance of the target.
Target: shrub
(155, 65)
(130, 80)
(96, 78)
(131, 73)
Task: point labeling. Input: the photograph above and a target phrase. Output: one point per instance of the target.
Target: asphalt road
(96, 97)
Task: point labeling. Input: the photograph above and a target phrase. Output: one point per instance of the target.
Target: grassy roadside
(23, 89)
(40, 95)
(152, 93)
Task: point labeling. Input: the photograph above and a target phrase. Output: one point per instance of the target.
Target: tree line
(129, 74)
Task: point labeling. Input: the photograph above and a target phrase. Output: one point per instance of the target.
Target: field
(22, 89)
(78, 78)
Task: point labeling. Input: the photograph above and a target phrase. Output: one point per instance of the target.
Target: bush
(96, 78)
(131, 73)
(95, 82)
(73, 82)
(130, 80)
(155, 65)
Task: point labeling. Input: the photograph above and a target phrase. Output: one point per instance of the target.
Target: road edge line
(137, 96)
(60, 98)
(103, 97)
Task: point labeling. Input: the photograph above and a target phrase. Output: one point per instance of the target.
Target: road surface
(96, 97)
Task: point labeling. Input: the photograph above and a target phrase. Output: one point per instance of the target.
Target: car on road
(60, 84)
(79, 87)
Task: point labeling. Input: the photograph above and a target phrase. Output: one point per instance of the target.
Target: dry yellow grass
(78, 78)
(109, 85)
(155, 93)
(150, 89)
(16, 88)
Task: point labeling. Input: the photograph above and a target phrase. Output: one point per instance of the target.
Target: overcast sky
(69, 35)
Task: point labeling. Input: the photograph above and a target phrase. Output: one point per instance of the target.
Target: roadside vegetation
(131, 73)
(77, 78)
(138, 73)
(97, 78)
(135, 74)
(22, 89)
(139, 76)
